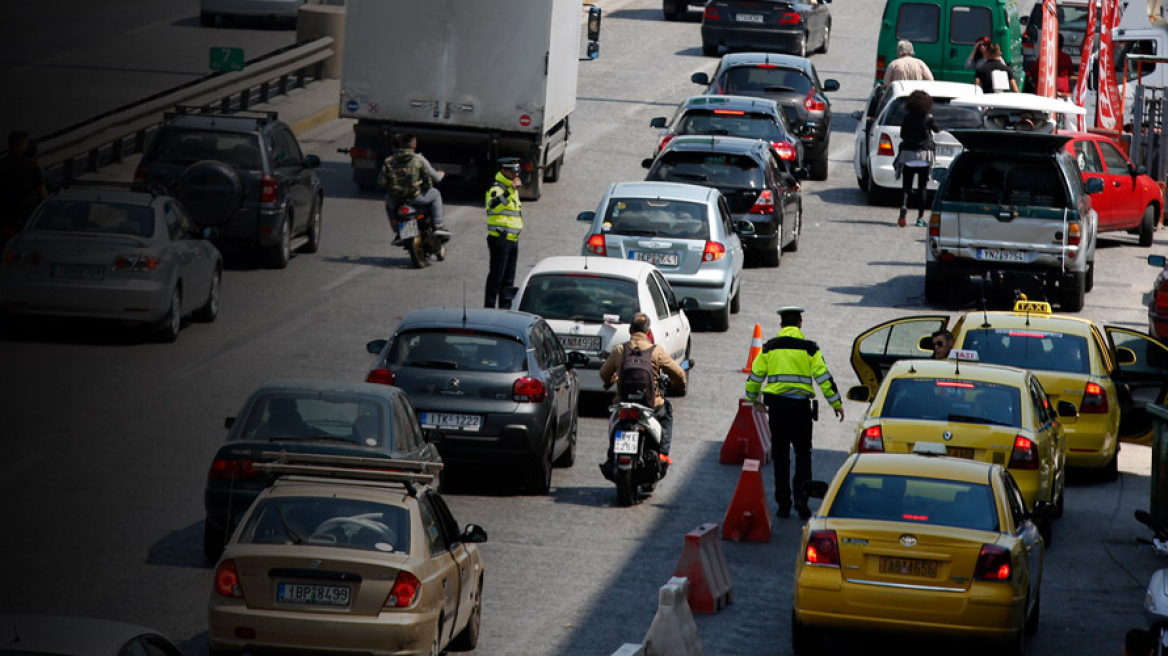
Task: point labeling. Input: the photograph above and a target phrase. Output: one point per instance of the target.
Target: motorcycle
(635, 435)
(1159, 539)
(416, 231)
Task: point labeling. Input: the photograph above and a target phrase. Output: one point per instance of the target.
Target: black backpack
(637, 384)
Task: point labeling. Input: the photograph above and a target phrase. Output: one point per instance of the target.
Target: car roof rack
(262, 116)
(152, 189)
(384, 470)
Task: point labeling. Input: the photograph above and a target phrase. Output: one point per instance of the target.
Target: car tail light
(223, 469)
(1094, 400)
(822, 549)
(381, 376)
(404, 591)
(885, 147)
(529, 390)
(789, 18)
(765, 204)
(526, 165)
(20, 256)
(139, 177)
(711, 13)
(785, 150)
(714, 251)
(993, 564)
(405, 209)
(813, 103)
(361, 153)
(935, 224)
(1162, 298)
(665, 142)
(227, 580)
(267, 189)
(630, 413)
(872, 440)
(595, 245)
(136, 262)
(881, 62)
(1074, 237)
(731, 112)
(1024, 455)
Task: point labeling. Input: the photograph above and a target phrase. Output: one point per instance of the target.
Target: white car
(878, 140)
(590, 301)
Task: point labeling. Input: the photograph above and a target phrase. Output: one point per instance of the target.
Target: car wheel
(210, 309)
(315, 223)
(568, 457)
(469, 637)
(1032, 618)
(213, 540)
(772, 258)
(709, 49)
(720, 319)
(1016, 644)
(436, 648)
(1060, 503)
(819, 167)
(801, 51)
(538, 477)
(936, 285)
(1046, 530)
(1148, 226)
(794, 245)
(736, 300)
(864, 179)
(826, 40)
(1089, 282)
(804, 639)
(1110, 471)
(170, 325)
(552, 173)
(878, 195)
(280, 253)
(1072, 289)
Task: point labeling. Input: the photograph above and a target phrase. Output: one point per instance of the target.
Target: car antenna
(464, 303)
(585, 262)
(1019, 296)
(985, 317)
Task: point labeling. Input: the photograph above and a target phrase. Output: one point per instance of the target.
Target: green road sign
(227, 59)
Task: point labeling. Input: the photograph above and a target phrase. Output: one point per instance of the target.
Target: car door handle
(443, 583)
(1115, 184)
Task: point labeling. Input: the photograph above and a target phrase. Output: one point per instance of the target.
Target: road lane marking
(352, 273)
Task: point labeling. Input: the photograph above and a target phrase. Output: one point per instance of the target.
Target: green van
(943, 32)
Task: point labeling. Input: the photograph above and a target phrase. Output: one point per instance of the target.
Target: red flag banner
(1107, 100)
(1048, 50)
(1085, 65)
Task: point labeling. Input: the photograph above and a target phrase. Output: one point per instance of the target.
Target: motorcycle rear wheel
(417, 251)
(626, 492)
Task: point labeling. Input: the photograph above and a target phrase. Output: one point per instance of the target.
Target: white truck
(474, 80)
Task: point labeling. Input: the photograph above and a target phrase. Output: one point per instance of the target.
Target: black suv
(242, 173)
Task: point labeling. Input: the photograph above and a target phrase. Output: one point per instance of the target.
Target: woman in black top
(915, 159)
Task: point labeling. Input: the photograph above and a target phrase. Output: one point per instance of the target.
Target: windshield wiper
(776, 88)
(715, 131)
(585, 319)
(310, 438)
(691, 176)
(296, 539)
(638, 233)
(437, 364)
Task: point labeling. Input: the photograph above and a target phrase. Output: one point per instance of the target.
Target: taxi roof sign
(1040, 307)
(964, 355)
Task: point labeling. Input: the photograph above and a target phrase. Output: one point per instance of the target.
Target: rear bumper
(710, 287)
(965, 262)
(512, 438)
(734, 37)
(146, 301)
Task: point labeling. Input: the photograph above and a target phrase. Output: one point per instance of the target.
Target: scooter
(416, 231)
(635, 435)
(1159, 539)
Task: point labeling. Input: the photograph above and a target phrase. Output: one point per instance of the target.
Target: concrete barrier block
(703, 564)
(629, 649)
(673, 631)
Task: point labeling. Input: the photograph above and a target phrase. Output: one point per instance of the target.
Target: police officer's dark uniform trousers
(504, 223)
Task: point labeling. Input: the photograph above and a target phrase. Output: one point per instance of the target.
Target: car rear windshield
(731, 123)
(965, 400)
(716, 169)
(938, 502)
(1027, 348)
(643, 217)
(764, 78)
(975, 178)
(239, 150)
(317, 417)
(464, 350)
(580, 297)
(95, 217)
(330, 522)
(948, 116)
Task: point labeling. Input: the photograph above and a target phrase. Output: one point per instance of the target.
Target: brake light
(1074, 236)
(1162, 298)
(765, 203)
(822, 549)
(361, 153)
(950, 383)
(714, 251)
(813, 103)
(529, 390)
(872, 440)
(137, 262)
(1024, 455)
(267, 189)
(665, 142)
(993, 564)
(789, 18)
(935, 225)
(227, 580)
(526, 165)
(381, 376)
(223, 469)
(140, 177)
(630, 413)
(405, 210)
(732, 112)
(1094, 400)
(595, 245)
(711, 13)
(785, 150)
(404, 591)
(881, 62)
(885, 147)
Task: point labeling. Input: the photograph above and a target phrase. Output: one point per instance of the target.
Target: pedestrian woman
(917, 150)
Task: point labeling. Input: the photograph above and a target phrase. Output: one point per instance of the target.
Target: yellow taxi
(1110, 374)
(990, 413)
(914, 544)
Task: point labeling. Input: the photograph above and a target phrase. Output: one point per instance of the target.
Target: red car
(1158, 305)
(1130, 200)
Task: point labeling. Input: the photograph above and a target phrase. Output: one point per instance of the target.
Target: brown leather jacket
(610, 370)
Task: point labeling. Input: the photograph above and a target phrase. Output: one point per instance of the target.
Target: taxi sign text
(965, 355)
(1032, 306)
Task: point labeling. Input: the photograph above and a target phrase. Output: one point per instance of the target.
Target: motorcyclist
(414, 185)
(662, 409)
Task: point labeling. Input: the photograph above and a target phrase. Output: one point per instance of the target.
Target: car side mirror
(593, 50)
(744, 228)
(801, 173)
(1157, 260)
(228, 422)
(311, 161)
(859, 393)
(647, 163)
(814, 489)
(435, 436)
(857, 115)
(1067, 409)
(211, 234)
(376, 346)
(926, 343)
(474, 534)
(700, 78)
(690, 303)
(509, 294)
(831, 85)
(1094, 185)
(586, 216)
(593, 23)
(657, 122)
(1125, 356)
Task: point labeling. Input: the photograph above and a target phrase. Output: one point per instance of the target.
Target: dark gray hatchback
(496, 382)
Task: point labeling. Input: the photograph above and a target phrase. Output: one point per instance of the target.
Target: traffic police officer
(504, 223)
(785, 371)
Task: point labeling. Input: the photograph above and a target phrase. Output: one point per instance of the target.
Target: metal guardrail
(86, 146)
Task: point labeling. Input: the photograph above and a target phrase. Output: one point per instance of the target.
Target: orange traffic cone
(755, 348)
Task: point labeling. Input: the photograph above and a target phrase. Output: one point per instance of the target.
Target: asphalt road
(105, 438)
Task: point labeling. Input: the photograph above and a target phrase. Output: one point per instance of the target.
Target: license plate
(625, 441)
(1000, 255)
(656, 259)
(314, 595)
(947, 151)
(579, 342)
(470, 423)
(748, 18)
(961, 452)
(408, 229)
(81, 271)
(908, 567)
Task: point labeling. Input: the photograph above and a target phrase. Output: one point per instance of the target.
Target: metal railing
(104, 139)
